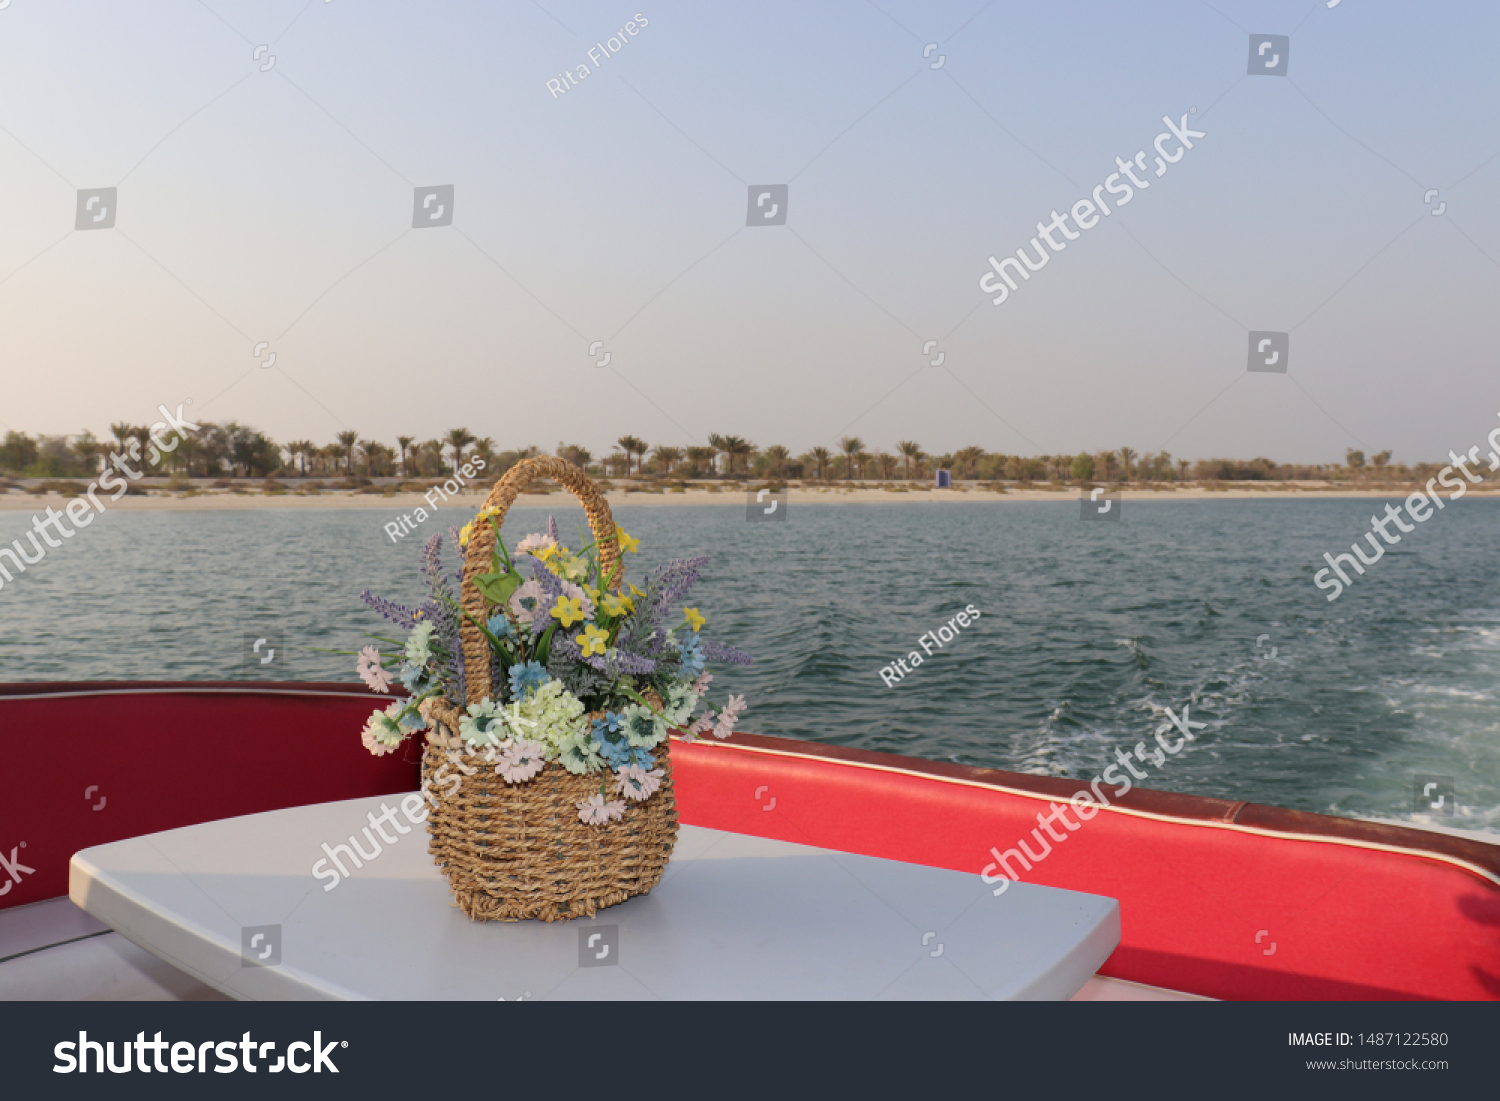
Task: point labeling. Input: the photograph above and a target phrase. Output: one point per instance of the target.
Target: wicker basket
(513, 851)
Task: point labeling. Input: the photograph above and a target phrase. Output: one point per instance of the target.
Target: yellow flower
(568, 610)
(592, 640)
(465, 533)
(634, 591)
(694, 618)
(628, 542)
(617, 605)
(546, 553)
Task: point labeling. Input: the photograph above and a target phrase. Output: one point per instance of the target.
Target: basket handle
(482, 544)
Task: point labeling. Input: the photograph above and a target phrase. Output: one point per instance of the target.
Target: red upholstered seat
(1230, 900)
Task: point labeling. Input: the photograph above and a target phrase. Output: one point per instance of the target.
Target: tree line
(238, 451)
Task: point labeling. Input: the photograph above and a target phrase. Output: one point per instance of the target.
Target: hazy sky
(276, 203)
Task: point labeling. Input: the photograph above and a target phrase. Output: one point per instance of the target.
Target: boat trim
(1210, 823)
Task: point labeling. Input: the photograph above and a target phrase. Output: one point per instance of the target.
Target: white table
(735, 917)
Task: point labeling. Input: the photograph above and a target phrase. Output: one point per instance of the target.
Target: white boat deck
(53, 951)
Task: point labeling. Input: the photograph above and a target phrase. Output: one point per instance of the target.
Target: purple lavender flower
(399, 614)
(718, 651)
(432, 557)
(615, 662)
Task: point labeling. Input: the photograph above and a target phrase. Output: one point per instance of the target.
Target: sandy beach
(730, 495)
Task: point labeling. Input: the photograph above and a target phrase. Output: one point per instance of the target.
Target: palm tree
(632, 446)
(885, 461)
(458, 439)
(778, 457)
(850, 446)
(666, 456)
(87, 448)
(298, 450)
(348, 440)
(1182, 470)
(697, 457)
(821, 455)
(715, 446)
(734, 447)
(405, 442)
(186, 449)
(142, 436)
(967, 461)
(578, 456)
(1126, 455)
(911, 451)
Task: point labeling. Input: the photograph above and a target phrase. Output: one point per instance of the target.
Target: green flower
(642, 726)
(419, 644)
(484, 724)
(681, 699)
(579, 753)
(557, 713)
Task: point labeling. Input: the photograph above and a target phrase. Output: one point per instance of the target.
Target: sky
(266, 196)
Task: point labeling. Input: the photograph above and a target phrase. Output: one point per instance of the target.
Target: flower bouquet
(546, 689)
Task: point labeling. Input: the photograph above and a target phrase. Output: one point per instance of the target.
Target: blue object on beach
(944, 480)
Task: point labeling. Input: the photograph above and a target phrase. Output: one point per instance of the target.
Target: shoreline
(160, 498)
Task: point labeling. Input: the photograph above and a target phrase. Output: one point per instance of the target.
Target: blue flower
(500, 626)
(692, 656)
(526, 678)
(608, 735)
(642, 758)
(415, 677)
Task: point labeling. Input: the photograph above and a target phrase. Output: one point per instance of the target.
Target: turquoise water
(1088, 631)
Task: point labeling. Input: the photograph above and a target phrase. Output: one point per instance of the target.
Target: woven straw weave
(513, 851)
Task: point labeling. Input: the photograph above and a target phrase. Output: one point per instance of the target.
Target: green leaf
(498, 587)
(544, 648)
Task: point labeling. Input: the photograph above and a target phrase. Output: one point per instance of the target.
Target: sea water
(1087, 632)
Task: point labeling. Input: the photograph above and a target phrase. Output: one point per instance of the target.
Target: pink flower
(636, 783)
(520, 762)
(371, 671)
(381, 734)
(596, 811)
(374, 744)
(534, 542)
(700, 685)
(526, 601)
(729, 716)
